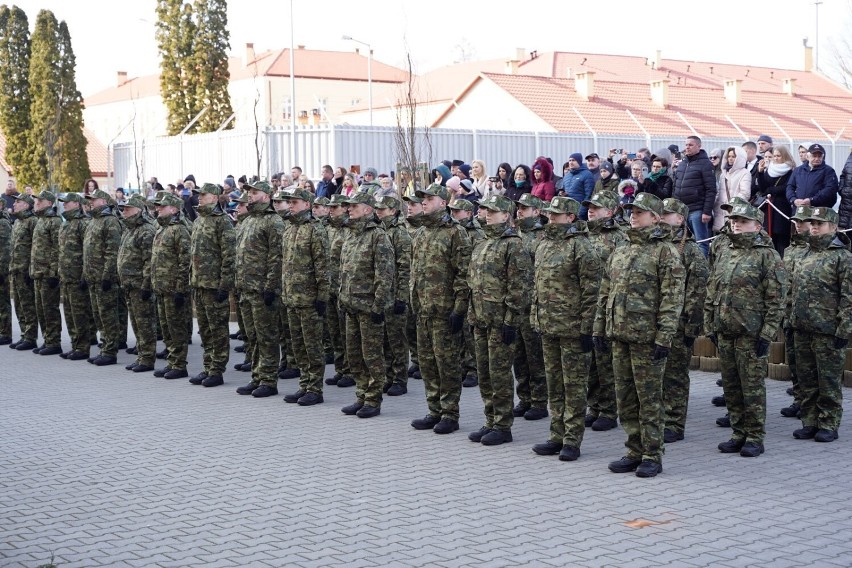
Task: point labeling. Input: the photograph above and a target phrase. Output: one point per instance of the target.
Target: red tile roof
(95, 149)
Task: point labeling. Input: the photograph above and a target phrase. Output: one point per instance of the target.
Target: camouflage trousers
(467, 353)
(106, 315)
(143, 320)
(494, 369)
(47, 312)
(411, 335)
(263, 335)
(676, 384)
(123, 317)
(213, 319)
(240, 327)
(529, 368)
(790, 353)
(77, 307)
(287, 360)
(601, 388)
(25, 306)
(438, 351)
(639, 391)
(334, 318)
(743, 374)
(396, 348)
(5, 306)
(567, 369)
(175, 336)
(820, 370)
(364, 343)
(306, 345)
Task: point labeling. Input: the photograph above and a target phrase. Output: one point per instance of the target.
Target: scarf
(778, 170)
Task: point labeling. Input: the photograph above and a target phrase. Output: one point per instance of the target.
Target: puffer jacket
(544, 189)
(822, 288)
(734, 182)
(579, 185)
(845, 210)
(695, 183)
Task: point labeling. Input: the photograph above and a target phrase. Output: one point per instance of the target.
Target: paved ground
(103, 467)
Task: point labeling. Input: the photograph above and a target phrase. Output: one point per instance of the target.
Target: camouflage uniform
(334, 316)
(639, 305)
(44, 270)
(5, 257)
(792, 255)
(76, 303)
(19, 271)
(567, 278)
(287, 357)
(468, 348)
(414, 225)
(212, 252)
(821, 318)
(744, 306)
(499, 274)
(134, 274)
(366, 293)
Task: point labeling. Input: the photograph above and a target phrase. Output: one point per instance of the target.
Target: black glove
(715, 340)
(268, 297)
(840, 343)
(508, 334)
(761, 347)
(377, 317)
(52, 283)
(320, 307)
(106, 285)
(179, 299)
(587, 343)
(455, 321)
(221, 295)
(84, 285)
(145, 294)
(600, 344)
(689, 341)
(399, 307)
(660, 353)
(28, 281)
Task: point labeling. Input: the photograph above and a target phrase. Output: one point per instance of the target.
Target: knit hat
(453, 183)
(465, 168)
(577, 157)
(190, 177)
(371, 171)
(607, 166)
(765, 138)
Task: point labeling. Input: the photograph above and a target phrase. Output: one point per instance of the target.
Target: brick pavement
(104, 467)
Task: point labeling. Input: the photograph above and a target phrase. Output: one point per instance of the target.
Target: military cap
(71, 196)
(461, 205)
(746, 211)
(496, 202)
(322, 201)
(169, 199)
(157, 197)
(562, 204)
(101, 194)
(672, 205)
(603, 198)
(337, 200)
(208, 188)
(47, 195)
(136, 200)
(733, 203)
(25, 197)
(280, 195)
(826, 214)
(412, 198)
(295, 192)
(361, 197)
(260, 186)
(647, 202)
(243, 198)
(387, 202)
(530, 200)
(803, 213)
(433, 189)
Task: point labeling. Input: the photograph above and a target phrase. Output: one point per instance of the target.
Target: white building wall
(486, 106)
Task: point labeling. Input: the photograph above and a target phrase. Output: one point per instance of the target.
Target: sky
(110, 36)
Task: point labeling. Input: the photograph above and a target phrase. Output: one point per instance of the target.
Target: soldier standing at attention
(413, 222)
(822, 324)
(499, 275)
(5, 257)
(366, 286)
(258, 281)
(742, 313)
(19, 272)
(240, 215)
(676, 375)
(439, 297)
(337, 217)
(75, 300)
(304, 280)
(639, 305)
(567, 278)
(134, 274)
(320, 212)
(44, 270)
(288, 368)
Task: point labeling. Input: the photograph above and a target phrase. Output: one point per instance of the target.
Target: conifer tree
(210, 64)
(72, 164)
(14, 84)
(175, 36)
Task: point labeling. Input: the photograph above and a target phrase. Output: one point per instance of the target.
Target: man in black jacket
(695, 186)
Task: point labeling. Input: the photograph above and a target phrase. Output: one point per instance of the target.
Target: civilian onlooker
(301, 181)
(695, 186)
(190, 199)
(463, 171)
(560, 183)
(309, 185)
(626, 195)
(753, 160)
(501, 182)
(715, 157)
(348, 185)
(9, 196)
(593, 163)
(845, 209)
(579, 182)
(764, 142)
(406, 182)
(337, 180)
(803, 153)
(324, 188)
(276, 182)
(90, 187)
(814, 184)
(608, 180)
(295, 173)
(521, 183)
(543, 186)
(479, 177)
(659, 178)
(454, 167)
(773, 184)
(735, 182)
(120, 196)
(385, 187)
(172, 188)
(644, 154)
(440, 174)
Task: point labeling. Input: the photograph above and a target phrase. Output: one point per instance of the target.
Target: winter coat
(608, 184)
(258, 261)
(213, 249)
(776, 189)
(400, 241)
(100, 247)
(5, 243)
(304, 257)
(695, 183)
(697, 272)
(336, 233)
(818, 184)
(170, 257)
(845, 209)
(366, 269)
(822, 288)
(544, 189)
(71, 237)
(514, 192)
(579, 185)
(44, 256)
(134, 253)
(735, 182)
(440, 253)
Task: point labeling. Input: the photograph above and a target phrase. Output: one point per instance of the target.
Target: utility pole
(816, 43)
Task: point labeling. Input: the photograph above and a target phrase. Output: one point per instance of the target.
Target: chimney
(734, 91)
(569, 73)
(300, 47)
(660, 93)
(512, 66)
(809, 58)
(656, 59)
(315, 115)
(584, 84)
(250, 55)
(788, 86)
(520, 53)
(122, 78)
(303, 118)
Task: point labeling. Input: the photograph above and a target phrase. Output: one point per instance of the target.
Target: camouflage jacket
(792, 255)
(532, 233)
(641, 295)
(567, 280)
(440, 254)
(5, 242)
(474, 231)
(22, 242)
(134, 254)
(44, 256)
(212, 249)
(366, 268)
(71, 237)
(605, 235)
(414, 224)
(304, 262)
(336, 233)
(499, 275)
(258, 266)
(745, 292)
(170, 257)
(400, 241)
(100, 247)
(822, 288)
(695, 288)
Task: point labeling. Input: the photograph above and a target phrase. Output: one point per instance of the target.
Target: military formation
(587, 322)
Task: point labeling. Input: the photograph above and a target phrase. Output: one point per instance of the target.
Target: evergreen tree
(73, 163)
(14, 84)
(175, 36)
(210, 65)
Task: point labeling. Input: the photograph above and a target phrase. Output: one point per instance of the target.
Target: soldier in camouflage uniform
(212, 251)
(19, 272)
(288, 369)
(462, 211)
(76, 303)
(605, 234)
(676, 375)
(529, 358)
(821, 318)
(499, 274)
(742, 313)
(413, 222)
(320, 212)
(366, 294)
(5, 257)
(338, 215)
(44, 270)
(396, 318)
(439, 298)
(134, 274)
(639, 305)
(258, 281)
(567, 278)
(241, 214)
(304, 279)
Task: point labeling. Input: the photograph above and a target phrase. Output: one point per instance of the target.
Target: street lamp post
(369, 72)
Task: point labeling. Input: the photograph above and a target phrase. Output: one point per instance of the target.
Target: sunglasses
(714, 157)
